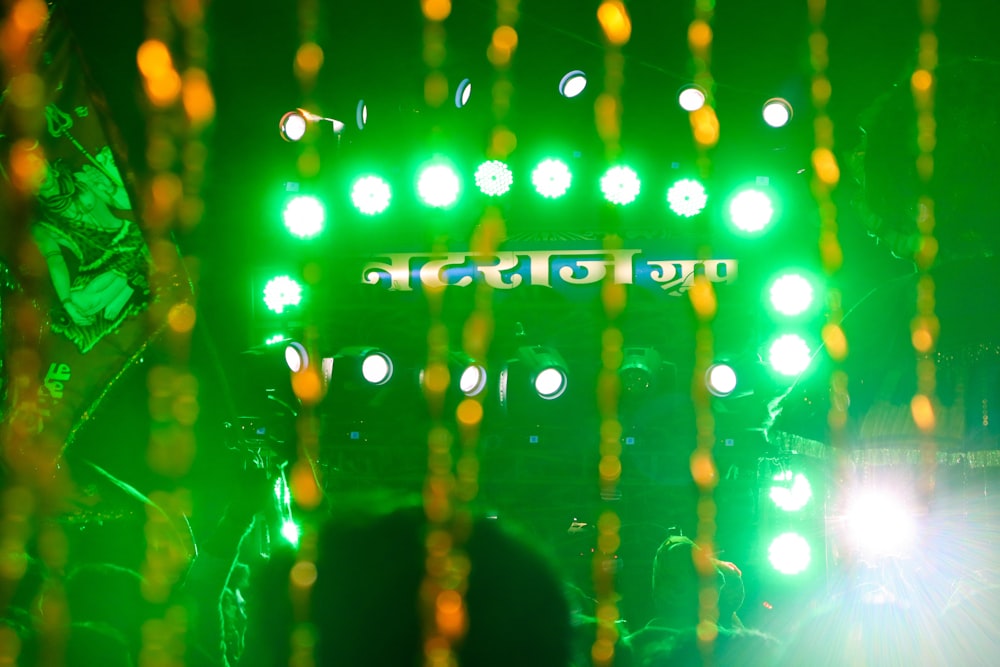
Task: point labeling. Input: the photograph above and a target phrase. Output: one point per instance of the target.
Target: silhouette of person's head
(365, 603)
(963, 133)
(677, 582)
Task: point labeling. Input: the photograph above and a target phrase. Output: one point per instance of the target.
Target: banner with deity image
(76, 310)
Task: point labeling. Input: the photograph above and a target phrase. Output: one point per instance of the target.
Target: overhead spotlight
(789, 355)
(361, 114)
(640, 371)
(573, 83)
(691, 98)
(296, 357)
(371, 195)
(751, 210)
(304, 216)
(687, 197)
(789, 553)
(720, 379)
(547, 370)
(790, 491)
(551, 178)
(462, 93)
(777, 112)
(281, 292)
(438, 186)
(493, 178)
(620, 185)
(471, 373)
(791, 294)
(376, 367)
(350, 364)
(292, 126)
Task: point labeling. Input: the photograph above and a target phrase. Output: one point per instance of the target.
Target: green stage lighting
(777, 112)
(551, 178)
(687, 197)
(790, 491)
(789, 553)
(304, 216)
(789, 355)
(720, 379)
(371, 195)
(493, 178)
(620, 185)
(281, 292)
(275, 339)
(438, 186)
(791, 294)
(291, 532)
(751, 211)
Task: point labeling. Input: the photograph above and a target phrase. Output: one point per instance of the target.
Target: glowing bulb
(551, 178)
(620, 185)
(371, 195)
(687, 197)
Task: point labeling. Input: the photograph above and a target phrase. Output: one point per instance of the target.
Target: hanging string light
(442, 595)
(825, 177)
(705, 131)
(616, 26)
(924, 326)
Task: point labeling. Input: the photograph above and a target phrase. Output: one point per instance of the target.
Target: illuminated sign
(547, 268)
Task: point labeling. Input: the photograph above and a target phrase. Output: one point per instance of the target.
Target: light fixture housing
(640, 371)
(546, 369)
(573, 83)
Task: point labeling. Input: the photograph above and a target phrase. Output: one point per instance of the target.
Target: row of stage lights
(439, 185)
(641, 369)
(776, 112)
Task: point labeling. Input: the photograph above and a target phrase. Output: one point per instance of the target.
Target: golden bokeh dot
(835, 341)
(608, 543)
(922, 340)
(615, 22)
(27, 165)
(309, 58)
(29, 15)
(153, 58)
(307, 385)
(303, 574)
(923, 412)
(436, 10)
(305, 491)
(505, 38)
(705, 125)
(921, 81)
(502, 142)
(610, 468)
(703, 469)
(181, 317)
(197, 97)
(164, 90)
(609, 522)
(825, 166)
(699, 34)
(469, 412)
(602, 651)
(436, 378)
(703, 299)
